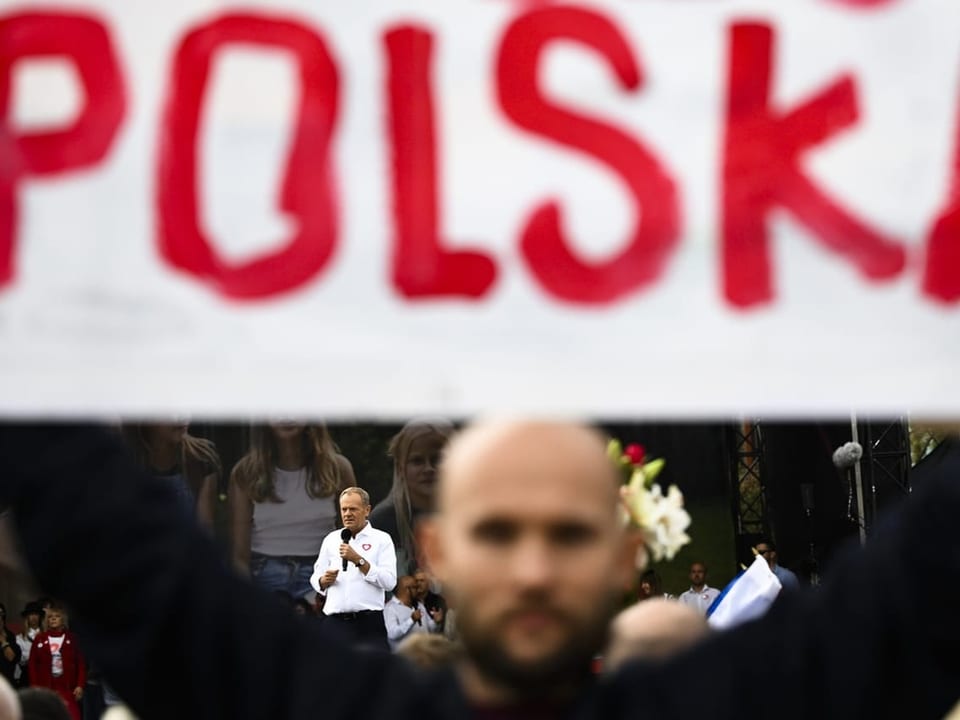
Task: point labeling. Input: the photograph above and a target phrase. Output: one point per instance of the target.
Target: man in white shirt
(700, 596)
(405, 615)
(354, 569)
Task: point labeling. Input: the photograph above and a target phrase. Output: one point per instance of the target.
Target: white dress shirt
(700, 601)
(353, 591)
(400, 623)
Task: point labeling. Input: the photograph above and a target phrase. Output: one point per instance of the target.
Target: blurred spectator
(429, 652)
(118, 712)
(94, 693)
(700, 596)
(283, 500)
(787, 578)
(650, 586)
(9, 702)
(45, 603)
(434, 603)
(652, 630)
(110, 698)
(189, 464)
(450, 624)
(56, 663)
(302, 607)
(9, 649)
(416, 451)
(42, 704)
(32, 615)
(404, 615)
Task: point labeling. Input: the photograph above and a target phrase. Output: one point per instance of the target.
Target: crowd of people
(45, 655)
(528, 561)
(292, 496)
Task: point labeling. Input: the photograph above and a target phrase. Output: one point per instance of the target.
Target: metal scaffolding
(748, 490)
(886, 463)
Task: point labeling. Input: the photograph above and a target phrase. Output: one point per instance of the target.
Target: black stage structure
(784, 486)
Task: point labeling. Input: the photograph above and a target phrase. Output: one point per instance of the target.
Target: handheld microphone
(345, 536)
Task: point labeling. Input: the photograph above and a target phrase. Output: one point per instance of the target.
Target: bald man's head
(522, 448)
(528, 544)
(9, 703)
(653, 629)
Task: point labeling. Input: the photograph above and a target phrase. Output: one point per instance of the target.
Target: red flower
(635, 452)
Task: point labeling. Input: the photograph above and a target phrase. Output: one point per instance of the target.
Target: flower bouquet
(660, 518)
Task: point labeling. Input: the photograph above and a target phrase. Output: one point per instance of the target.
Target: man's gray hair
(364, 495)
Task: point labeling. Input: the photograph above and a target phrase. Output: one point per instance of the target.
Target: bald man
(527, 544)
(9, 704)
(655, 629)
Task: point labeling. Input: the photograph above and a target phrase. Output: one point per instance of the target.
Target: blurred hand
(329, 578)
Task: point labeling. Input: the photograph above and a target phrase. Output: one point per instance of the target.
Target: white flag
(748, 596)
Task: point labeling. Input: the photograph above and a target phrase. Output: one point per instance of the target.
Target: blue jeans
(288, 573)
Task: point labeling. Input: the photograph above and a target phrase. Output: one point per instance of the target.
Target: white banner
(619, 208)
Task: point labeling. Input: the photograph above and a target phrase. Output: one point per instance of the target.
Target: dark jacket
(179, 635)
(8, 667)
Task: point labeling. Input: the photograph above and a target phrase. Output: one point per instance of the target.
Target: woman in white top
(283, 502)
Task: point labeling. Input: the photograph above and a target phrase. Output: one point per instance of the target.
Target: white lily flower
(662, 519)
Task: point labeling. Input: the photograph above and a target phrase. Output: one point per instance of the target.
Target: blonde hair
(399, 450)
(255, 470)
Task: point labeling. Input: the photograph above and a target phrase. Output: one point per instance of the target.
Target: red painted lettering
(84, 41)
(941, 272)
(761, 170)
(308, 191)
(551, 261)
(865, 4)
(422, 267)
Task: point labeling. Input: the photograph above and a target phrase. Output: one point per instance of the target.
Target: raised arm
(207, 502)
(173, 629)
(878, 639)
(241, 524)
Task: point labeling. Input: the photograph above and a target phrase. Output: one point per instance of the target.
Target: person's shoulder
(786, 576)
(383, 513)
(343, 464)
